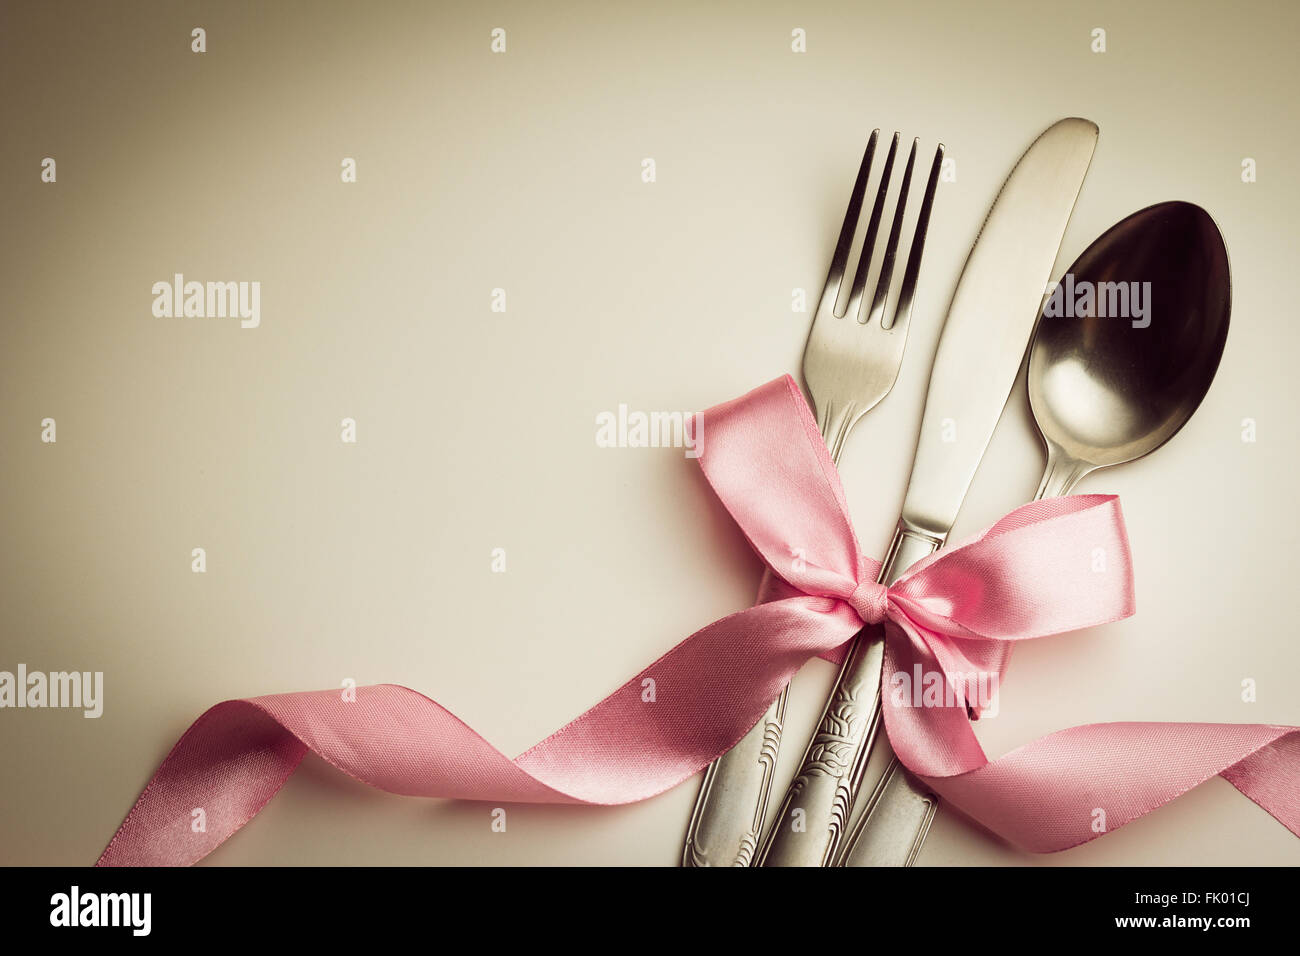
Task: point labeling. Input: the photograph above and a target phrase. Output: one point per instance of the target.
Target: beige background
(371, 561)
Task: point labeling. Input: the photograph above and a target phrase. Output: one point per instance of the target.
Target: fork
(850, 363)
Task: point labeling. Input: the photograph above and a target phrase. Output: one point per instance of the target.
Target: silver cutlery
(989, 320)
(1104, 390)
(850, 363)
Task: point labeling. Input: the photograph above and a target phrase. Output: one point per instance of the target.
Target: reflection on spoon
(1105, 390)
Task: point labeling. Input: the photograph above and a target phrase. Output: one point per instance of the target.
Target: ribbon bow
(1048, 567)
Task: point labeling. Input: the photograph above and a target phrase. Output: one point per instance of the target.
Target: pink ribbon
(1046, 568)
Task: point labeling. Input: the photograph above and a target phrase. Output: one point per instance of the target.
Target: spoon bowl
(1129, 341)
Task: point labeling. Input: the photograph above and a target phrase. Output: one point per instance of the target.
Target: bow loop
(767, 463)
(1048, 567)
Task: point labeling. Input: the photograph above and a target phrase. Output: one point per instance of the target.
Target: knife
(984, 337)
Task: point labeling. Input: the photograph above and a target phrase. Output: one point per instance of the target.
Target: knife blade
(984, 337)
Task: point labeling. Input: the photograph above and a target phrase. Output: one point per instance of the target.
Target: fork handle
(728, 818)
(732, 803)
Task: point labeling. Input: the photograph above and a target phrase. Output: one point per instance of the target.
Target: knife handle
(894, 822)
(814, 815)
(897, 818)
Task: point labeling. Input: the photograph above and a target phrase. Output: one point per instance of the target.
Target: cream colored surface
(521, 171)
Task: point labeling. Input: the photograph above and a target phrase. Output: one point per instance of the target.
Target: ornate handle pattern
(731, 785)
(814, 817)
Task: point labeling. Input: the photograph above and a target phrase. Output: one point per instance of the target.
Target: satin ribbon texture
(1046, 568)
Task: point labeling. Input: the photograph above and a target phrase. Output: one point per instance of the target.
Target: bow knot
(870, 600)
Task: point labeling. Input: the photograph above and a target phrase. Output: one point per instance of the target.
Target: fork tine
(869, 243)
(881, 296)
(840, 261)
(907, 292)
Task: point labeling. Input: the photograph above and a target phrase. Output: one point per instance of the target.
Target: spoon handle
(1061, 474)
(897, 818)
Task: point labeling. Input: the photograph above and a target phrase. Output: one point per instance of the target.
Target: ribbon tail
(1268, 777)
(1074, 785)
(661, 727)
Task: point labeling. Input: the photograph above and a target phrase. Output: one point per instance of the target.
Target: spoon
(1107, 389)
(1122, 355)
